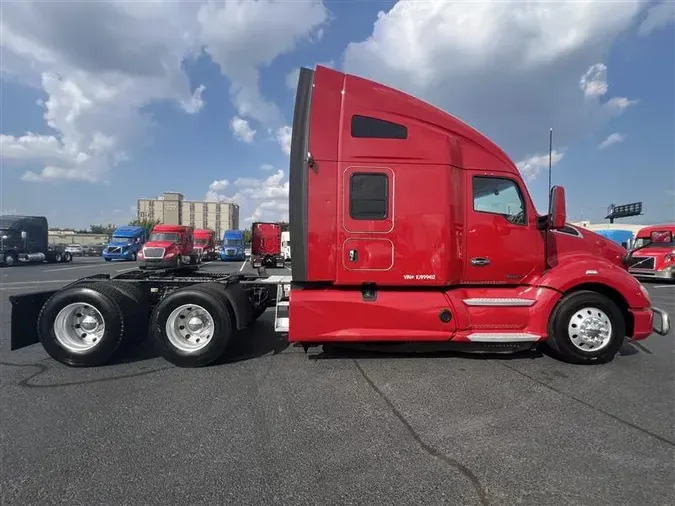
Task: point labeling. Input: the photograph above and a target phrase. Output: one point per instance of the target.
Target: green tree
(102, 229)
(247, 236)
(145, 223)
(284, 226)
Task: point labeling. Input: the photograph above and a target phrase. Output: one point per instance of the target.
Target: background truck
(25, 239)
(433, 238)
(622, 237)
(653, 253)
(168, 246)
(125, 244)
(205, 244)
(286, 245)
(234, 247)
(266, 245)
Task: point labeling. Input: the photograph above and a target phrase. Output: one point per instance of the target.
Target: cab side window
(369, 196)
(497, 195)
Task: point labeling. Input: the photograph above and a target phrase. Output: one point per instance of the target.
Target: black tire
(67, 257)
(560, 341)
(57, 258)
(133, 256)
(194, 260)
(11, 259)
(106, 300)
(209, 296)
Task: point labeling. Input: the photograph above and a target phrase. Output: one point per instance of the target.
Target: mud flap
(24, 316)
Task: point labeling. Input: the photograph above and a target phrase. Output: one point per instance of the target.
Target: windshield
(645, 241)
(127, 240)
(232, 242)
(201, 242)
(165, 236)
(6, 223)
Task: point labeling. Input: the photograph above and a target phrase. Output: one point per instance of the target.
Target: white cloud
(266, 167)
(101, 63)
(292, 77)
(658, 16)
(614, 138)
(594, 81)
(243, 36)
(284, 135)
(532, 165)
(258, 198)
(511, 69)
(219, 185)
(242, 129)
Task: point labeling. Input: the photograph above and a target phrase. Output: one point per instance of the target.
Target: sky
(105, 102)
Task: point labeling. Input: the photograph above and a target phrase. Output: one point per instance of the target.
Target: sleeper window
(369, 196)
(499, 196)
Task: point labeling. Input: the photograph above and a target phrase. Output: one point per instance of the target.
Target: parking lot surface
(273, 425)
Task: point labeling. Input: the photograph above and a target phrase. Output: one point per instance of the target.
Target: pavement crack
(591, 406)
(480, 491)
(42, 368)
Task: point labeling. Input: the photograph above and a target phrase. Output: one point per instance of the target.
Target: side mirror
(661, 236)
(24, 234)
(558, 213)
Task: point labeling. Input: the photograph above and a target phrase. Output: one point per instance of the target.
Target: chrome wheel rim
(79, 327)
(189, 328)
(590, 329)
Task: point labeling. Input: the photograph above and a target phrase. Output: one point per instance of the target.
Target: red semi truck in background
(654, 259)
(205, 244)
(168, 246)
(266, 245)
(413, 227)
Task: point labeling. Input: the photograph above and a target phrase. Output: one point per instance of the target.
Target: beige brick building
(172, 209)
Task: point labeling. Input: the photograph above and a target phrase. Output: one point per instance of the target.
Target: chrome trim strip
(490, 337)
(664, 328)
(499, 301)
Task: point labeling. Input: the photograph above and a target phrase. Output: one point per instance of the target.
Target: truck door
(367, 222)
(503, 244)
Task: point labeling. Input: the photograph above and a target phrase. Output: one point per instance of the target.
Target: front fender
(580, 271)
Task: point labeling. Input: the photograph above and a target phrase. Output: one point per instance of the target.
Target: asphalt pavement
(273, 425)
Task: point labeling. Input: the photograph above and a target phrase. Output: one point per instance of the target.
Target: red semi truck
(266, 245)
(413, 227)
(653, 253)
(205, 244)
(168, 246)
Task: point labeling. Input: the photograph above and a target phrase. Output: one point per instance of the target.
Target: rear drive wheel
(67, 257)
(194, 259)
(586, 328)
(82, 326)
(58, 258)
(192, 326)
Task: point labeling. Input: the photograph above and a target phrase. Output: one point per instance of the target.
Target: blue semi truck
(234, 247)
(622, 237)
(125, 244)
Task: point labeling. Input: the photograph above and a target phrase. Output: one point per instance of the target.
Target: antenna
(550, 163)
(548, 218)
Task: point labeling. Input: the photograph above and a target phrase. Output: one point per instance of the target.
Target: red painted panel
(370, 254)
(342, 315)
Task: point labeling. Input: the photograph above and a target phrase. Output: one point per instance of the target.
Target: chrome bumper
(664, 327)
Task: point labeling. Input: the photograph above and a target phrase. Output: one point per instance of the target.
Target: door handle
(353, 255)
(480, 261)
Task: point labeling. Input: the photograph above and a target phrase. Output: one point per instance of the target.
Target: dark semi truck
(25, 239)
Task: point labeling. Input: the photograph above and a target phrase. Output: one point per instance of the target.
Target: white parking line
(288, 268)
(242, 266)
(72, 268)
(125, 270)
(662, 286)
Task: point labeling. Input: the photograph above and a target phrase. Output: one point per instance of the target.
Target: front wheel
(586, 328)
